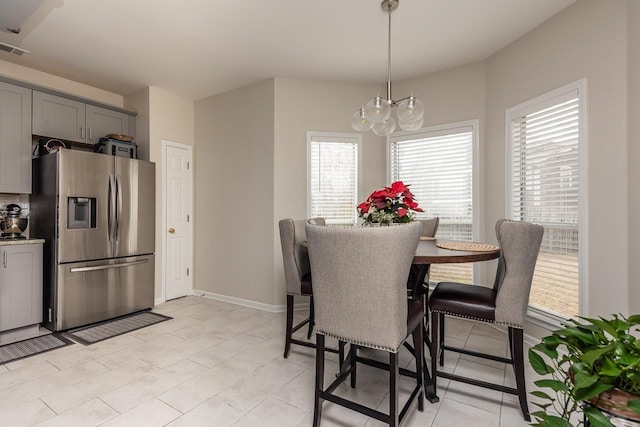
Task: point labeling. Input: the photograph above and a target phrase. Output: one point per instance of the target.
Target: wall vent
(4, 47)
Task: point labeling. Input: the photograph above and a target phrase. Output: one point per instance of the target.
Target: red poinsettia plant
(394, 204)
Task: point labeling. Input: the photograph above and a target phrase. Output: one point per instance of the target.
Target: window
(544, 187)
(332, 165)
(438, 163)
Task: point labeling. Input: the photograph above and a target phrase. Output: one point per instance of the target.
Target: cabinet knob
(172, 230)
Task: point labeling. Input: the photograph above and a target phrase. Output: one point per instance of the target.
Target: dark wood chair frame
(289, 339)
(348, 370)
(516, 350)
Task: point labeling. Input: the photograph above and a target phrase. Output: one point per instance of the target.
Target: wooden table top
(429, 253)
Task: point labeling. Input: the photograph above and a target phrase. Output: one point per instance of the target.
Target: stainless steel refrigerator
(97, 215)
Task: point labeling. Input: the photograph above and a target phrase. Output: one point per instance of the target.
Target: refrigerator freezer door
(135, 207)
(94, 291)
(86, 176)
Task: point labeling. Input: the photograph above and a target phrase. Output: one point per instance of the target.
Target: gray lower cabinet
(15, 139)
(71, 120)
(20, 286)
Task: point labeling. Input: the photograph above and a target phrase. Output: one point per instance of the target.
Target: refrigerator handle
(112, 219)
(118, 208)
(108, 266)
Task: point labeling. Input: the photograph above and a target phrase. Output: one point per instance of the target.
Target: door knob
(172, 230)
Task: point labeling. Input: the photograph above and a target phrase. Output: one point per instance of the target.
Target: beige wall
(161, 116)
(234, 193)
(633, 50)
(301, 106)
(170, 118)
(139, 102)
(450, 96)
(588, 39)
(50, 81)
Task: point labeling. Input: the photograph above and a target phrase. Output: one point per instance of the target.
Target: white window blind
(333, 176)
(544, 187)
(438, 164)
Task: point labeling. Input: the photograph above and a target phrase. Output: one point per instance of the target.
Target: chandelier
(376, 114)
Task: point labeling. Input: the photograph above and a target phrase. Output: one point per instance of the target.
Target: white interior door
(178, 219)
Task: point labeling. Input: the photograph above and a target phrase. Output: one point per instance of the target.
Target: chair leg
(353, 353)
(311, 317)
(393, 389)
(288, 333)
(434, 349)
(518, 365)
(441, 318)
(341, 345)
(418, 345)
(317, 404)
(510, 335)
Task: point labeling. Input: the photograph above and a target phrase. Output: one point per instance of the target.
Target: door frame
(189, 149)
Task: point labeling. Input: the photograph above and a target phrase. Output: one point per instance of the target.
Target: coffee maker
(12, 222)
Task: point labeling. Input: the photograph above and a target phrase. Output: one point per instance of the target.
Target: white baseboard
(159, 301)
(243, 302)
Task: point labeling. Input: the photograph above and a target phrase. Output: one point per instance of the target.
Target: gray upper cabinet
(15, 139)
(58, 117)
(101, 121)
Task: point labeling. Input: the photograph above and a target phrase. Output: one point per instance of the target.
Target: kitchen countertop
(27, 241)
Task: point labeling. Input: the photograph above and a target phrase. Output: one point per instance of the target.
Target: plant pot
(614, 403)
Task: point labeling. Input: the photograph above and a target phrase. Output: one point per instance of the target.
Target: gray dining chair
(503, 304)
(297, 274)
(429, 226)
(359, 279)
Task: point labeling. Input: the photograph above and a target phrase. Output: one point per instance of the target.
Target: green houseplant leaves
(584, 360)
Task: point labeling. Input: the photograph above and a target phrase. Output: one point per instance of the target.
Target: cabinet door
(15, 139)
(57, 117)
(20, 286)
(101, 122)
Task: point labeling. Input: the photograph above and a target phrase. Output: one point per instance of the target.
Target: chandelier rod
(389, 62)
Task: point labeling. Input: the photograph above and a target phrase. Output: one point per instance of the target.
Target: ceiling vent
(4, 47)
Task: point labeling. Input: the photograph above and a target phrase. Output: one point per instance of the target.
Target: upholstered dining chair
(503, 304)
(359, 279)
(297, 275)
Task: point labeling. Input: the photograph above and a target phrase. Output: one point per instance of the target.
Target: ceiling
(199, 48)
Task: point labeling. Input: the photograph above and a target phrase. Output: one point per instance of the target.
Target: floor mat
(92, 334)
(31, 347)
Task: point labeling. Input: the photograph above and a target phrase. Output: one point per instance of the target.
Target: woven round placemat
(467, 246)
(427, 238)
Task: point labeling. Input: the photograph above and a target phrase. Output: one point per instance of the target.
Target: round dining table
(428, 252)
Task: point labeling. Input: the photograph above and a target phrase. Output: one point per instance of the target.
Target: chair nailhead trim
(360, 343)
(477, 318)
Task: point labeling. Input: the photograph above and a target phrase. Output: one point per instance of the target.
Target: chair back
(429, 226)
(294, 254)
(359, 279)
(519, 247)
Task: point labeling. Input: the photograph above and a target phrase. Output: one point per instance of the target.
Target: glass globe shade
(410, 109)
(359, 122)
(414, 125)
(384, 128)
(377, 110)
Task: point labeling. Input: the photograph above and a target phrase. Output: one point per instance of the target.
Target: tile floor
(218, 364)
